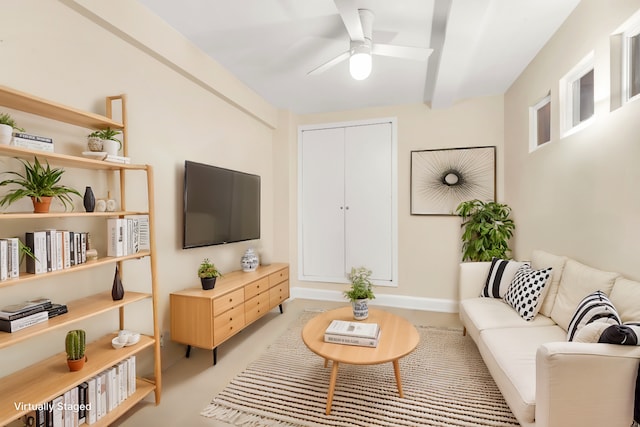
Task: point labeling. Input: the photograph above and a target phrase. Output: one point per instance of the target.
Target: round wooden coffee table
(398, 338)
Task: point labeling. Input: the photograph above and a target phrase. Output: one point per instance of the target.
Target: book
(117, 159)
(91, 401)
(8, 315)
(4, 259)
(141, 232)
(32, 142)
(57, 310)
(36, 241)
(349, 340)
(14, 257)
(33, 137)
(115, 236)
(26, 305)
(353, 329)
(24, 322)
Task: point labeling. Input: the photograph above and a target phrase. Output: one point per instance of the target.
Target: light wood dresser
(206, 319)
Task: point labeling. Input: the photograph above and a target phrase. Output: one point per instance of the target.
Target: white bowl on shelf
(117, 342)
(128, 337)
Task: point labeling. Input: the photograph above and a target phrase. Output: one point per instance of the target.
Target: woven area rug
(445, 383)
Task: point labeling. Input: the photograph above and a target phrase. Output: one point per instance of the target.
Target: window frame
(567, 99)
(534, 144)
(631, 32)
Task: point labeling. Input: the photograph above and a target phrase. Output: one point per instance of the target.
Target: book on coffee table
(352, 333)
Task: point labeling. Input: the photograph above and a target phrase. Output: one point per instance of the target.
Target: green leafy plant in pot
(74, 344)
(360, 292)
(208, 273)
(487, 230)
(104, 140)
(41, 184)
(7, 126)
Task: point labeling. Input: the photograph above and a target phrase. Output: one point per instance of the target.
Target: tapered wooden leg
(396, 369)
(332, 385)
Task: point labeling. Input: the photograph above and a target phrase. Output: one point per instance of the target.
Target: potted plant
(41, 184)
(361, 292)
(207, 272)
(487, 230)
(7, 125)
(74, 343)
(104, 140)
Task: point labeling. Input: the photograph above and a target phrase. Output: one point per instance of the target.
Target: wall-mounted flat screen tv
(220, 205)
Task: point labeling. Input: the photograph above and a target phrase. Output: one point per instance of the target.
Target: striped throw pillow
(501, 274)
(595, 307)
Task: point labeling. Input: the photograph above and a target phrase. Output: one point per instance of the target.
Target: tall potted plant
(487, 230)
(41, 184)
(75, 343)
(360, 292)
(7, 125)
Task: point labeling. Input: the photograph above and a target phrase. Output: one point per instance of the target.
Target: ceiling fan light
(360, 65)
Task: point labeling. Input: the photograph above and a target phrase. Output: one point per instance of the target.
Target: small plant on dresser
(208, 273)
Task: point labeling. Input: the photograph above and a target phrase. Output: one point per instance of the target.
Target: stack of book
(353, 333)
(33, 142)
(19, 316)
(55, 249)
(128, 235)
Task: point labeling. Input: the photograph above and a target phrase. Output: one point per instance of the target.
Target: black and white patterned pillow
(594, 307)
(526, 292)
(626, 334)
(501, 274)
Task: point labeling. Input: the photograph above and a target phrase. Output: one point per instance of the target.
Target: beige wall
(58, 51)
(578, 195)
(428, 246)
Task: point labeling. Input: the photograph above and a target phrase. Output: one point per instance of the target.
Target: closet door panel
(323, 203)
(369, 199)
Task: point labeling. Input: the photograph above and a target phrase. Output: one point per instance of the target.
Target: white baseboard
(400, 301)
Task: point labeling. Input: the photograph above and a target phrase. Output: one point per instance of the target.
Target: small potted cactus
(74, 346)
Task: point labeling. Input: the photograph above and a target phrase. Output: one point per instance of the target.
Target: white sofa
(546, 380)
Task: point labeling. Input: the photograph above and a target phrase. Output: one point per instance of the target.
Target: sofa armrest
(472, 277)
(585, 384)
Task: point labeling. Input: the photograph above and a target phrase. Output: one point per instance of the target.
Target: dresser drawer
(228, 301)
(278, 293)
(278, 277)
(256, 307)
(254, 288)
(228, 324)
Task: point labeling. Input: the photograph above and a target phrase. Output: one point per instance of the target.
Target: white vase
(6, 134)
(249, 260)
(360, 309)
(110, 147)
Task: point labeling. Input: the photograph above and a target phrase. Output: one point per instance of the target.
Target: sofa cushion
(591, 332)
(625, 296)
(578, 281)
(595, 307)
(501, 274)
(510, 356)
(478, 314)
(541, 259)
(628, 334)
(527, 290)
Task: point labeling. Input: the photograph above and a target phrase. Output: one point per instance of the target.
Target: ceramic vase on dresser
(249, 260)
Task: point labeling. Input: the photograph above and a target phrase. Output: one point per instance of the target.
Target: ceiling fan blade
(324, 67)
(406, 52)
(351, 18)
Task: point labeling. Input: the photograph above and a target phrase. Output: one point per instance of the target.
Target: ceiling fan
(359, 25)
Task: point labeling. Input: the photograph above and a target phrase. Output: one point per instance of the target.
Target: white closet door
(323, 203)
(369, 199)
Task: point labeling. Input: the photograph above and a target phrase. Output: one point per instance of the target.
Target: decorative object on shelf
(7, 125)
(487, 230)
(442, 179)
(111, 205)
(101, 205)
(75, 342)
(249, 260)
(38, 182)
(89, 200)
(207, 272)
(104, 141)
(125, 338)
(117, 290)
(361, 292)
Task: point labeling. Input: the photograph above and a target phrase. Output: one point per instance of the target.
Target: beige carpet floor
(445, 383)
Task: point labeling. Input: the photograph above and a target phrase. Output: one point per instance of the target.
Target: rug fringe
(240, 418)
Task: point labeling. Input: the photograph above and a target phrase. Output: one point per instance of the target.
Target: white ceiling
(480, 47)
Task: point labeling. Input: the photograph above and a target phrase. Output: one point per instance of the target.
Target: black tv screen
(220, 205)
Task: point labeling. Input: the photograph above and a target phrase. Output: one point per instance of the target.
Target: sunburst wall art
(442, 179)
